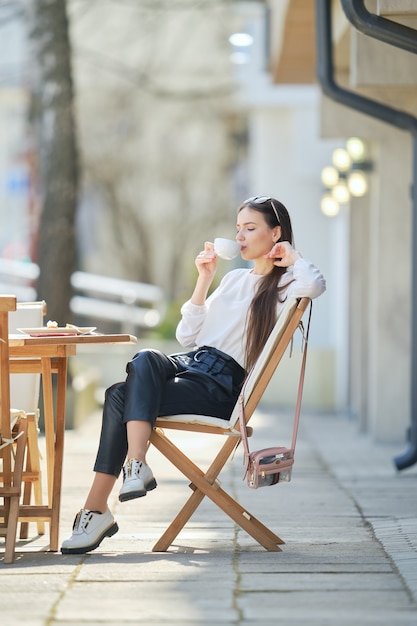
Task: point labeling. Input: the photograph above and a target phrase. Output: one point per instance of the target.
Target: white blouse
(221, 321)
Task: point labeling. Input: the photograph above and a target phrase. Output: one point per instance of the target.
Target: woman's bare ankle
(136, 457)
(96, 507)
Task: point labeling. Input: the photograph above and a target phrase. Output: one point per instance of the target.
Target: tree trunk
(53, 107)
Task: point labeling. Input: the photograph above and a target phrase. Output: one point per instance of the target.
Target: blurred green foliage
(166, 330)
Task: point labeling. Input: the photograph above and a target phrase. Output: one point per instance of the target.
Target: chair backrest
(7, 304)
(266, 364)
(272, 353)
(24, 388)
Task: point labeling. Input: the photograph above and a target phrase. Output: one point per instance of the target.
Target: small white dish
(64, 330)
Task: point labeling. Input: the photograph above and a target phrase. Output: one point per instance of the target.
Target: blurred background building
(185, 109)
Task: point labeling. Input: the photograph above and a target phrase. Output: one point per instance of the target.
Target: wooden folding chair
(12, 461)
(205, 483)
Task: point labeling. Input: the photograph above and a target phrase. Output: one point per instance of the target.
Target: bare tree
(155, 96)
(53, 117)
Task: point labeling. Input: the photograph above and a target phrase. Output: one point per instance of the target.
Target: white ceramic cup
(226, 248)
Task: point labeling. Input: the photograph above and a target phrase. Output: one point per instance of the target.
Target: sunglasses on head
(261, 200)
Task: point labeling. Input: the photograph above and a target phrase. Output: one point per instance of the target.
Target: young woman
(229, 328)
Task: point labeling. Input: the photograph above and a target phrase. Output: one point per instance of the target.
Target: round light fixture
(357, 184)
(329, 206)
(346, 177)
(329, 176)
(356, 148)
(340, 192)
(341, 159)
(241, 40)
(239, 58)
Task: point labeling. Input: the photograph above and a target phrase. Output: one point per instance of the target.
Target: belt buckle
(197, 354)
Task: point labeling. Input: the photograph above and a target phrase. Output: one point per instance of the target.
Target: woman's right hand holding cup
(206, 261)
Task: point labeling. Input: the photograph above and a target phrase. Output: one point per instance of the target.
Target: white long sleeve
(221, 321)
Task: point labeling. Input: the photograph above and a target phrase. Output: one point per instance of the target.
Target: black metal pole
(378, 27)
(401, 36)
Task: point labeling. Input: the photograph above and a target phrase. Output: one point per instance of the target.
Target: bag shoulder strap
(242, 421)
(301, 381)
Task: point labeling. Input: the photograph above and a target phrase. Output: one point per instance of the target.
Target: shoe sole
(132, 495)
(83, 549)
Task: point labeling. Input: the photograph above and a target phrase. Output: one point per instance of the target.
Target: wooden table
(49, 356)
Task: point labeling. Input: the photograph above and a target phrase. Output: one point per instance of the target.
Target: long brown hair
(262, 314)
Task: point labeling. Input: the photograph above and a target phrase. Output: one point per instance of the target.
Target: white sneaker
(88, 531)
(137, 480)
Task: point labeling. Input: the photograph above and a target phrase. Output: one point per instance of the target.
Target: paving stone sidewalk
(348, 518)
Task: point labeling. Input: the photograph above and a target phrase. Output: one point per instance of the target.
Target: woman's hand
(206, 261)
(283, 254)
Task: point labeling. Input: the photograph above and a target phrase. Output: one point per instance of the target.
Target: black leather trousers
(204, 382)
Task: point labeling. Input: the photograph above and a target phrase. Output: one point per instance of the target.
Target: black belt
(213, 361)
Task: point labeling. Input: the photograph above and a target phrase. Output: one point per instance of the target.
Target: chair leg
(34, 469)
(11, 522)
(205, 485)
(27, 492)
(179, 522)
(12, 515)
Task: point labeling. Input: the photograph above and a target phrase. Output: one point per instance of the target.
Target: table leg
(59, 449)
(48, 408)
(54, 438)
